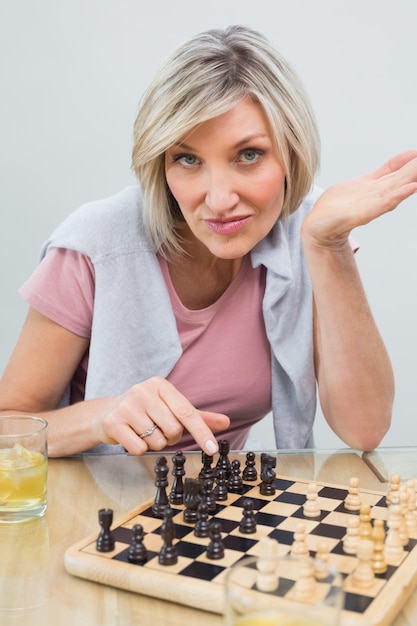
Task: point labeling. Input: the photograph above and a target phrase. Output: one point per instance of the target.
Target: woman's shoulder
(103, 227)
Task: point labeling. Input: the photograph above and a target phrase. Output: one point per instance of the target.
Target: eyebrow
(239, 144)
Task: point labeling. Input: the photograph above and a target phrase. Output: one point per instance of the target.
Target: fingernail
(211, 447)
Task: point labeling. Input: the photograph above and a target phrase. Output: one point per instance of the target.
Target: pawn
(322, 557)
(220, 491)
(267, 576)
(249, 472)
(299, 546)
(365, 526)
(209, 495)
(394, 549)
(105, 540)
(395, 483)
(350, 542)
(215, 549)
(363, 576)
(352, 501)
(248, 523)
(379, 563)
(202, 525)
(305, 585)
(410, 515)
(137, 552)
(403, 501)
(235, 483)
(168, 554)
(311, 508)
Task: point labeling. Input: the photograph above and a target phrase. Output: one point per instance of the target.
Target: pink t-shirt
(226, 361)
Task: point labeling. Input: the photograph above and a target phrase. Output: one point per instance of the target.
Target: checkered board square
(197, 581)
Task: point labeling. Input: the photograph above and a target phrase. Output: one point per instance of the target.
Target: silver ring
(148, 432)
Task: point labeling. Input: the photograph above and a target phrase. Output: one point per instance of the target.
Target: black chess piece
(105, 540)
(192, 497)
(168, 554)
(209, 495)
(202, 525)
(250, 472)
(267, 486)
(215, 549)
(161, 502)
(223, 461)
(248, 522)
(137, 552)
(220, 490)
(235, 482)
(207, 471)
(176, 495)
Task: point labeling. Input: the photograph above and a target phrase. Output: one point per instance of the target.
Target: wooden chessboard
(197, 581)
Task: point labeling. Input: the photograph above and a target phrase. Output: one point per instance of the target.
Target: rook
(105, 540)
(223, 460)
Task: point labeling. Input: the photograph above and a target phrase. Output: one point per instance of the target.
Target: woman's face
(228, 180)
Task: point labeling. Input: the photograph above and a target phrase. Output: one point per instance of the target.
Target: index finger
(189, 417)
(394, 164)
(193, 422)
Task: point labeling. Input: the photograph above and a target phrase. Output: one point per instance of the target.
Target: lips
(227, 227)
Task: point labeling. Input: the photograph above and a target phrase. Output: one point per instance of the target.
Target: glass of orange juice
(23, 467)
(278, 589)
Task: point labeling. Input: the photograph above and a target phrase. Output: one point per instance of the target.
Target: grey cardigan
(134, 334)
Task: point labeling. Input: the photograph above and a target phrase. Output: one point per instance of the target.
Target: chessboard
(192, 571)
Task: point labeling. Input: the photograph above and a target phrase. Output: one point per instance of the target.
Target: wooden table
(32, 554)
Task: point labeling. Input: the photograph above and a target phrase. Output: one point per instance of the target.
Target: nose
(220, 195)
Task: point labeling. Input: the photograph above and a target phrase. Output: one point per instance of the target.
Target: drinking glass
(275, 590)
(23, 467)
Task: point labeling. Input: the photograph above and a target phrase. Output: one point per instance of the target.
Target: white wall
(72, 72)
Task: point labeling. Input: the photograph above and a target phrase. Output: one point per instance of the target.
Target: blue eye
(187, 160)
(250, 155)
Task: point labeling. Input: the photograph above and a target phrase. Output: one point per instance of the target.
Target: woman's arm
(40, 369)
(354, 374)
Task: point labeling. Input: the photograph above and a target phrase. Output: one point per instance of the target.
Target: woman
(224, 288)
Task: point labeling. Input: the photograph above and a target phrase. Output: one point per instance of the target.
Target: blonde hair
(205, 77)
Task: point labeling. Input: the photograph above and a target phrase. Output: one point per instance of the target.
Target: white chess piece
(352, 501)
(311, 507)
(267, 578)
(363, 576)
(393, 545)
(322, 558)
(305, 586)
(350, 542)
(300, 546)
